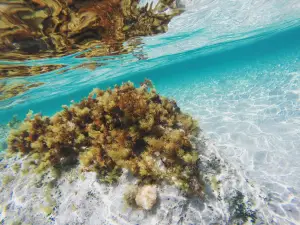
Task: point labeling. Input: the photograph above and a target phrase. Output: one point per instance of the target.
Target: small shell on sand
(146, 197)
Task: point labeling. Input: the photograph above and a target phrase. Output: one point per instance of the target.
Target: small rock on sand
(146, 197)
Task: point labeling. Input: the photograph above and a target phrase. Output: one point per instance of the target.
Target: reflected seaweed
(46, 28)
(9, 90)
(14, 70)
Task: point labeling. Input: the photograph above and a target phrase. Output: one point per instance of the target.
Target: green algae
(16, 167)
(130, 195)
(74, 208)
(7, 179)
(17, 222)
(215, 184)
(47, 210)
(14, 122)
(241, 211)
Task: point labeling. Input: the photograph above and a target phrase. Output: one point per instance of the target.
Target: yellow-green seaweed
(129, 196)
(47, 210)
(17, 222)
(15, 167)
(120, 128)
(7, 179)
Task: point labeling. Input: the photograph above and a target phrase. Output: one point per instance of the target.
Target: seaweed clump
(109, 131)
(241, 212)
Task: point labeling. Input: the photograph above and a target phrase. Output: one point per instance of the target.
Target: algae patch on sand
(126, 127)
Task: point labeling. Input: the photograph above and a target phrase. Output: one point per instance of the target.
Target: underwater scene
(149, 112)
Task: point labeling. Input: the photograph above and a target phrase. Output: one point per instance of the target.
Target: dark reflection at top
(31, 29)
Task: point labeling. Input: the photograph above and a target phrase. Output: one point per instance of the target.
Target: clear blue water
(242, 83)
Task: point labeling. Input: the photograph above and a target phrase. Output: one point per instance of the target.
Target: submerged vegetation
(44, 28)
(241, 212)
(120, 128)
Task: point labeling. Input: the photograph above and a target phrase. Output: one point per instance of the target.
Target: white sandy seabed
(81, 199)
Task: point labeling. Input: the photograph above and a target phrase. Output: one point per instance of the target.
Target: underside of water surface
(234, 66)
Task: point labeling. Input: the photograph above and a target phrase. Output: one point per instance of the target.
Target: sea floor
(74, 198)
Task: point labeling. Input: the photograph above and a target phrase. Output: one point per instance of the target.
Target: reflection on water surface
(46, 28)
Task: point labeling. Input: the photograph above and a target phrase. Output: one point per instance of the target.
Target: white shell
(146, 197)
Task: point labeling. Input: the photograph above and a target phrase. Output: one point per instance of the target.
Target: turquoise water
(243, 87)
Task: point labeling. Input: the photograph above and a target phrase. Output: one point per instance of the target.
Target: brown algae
(123, 128)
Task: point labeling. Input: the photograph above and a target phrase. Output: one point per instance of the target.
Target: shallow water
(233, 65)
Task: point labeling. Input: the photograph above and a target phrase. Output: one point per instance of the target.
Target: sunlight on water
(204, 26)
(253, 117)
